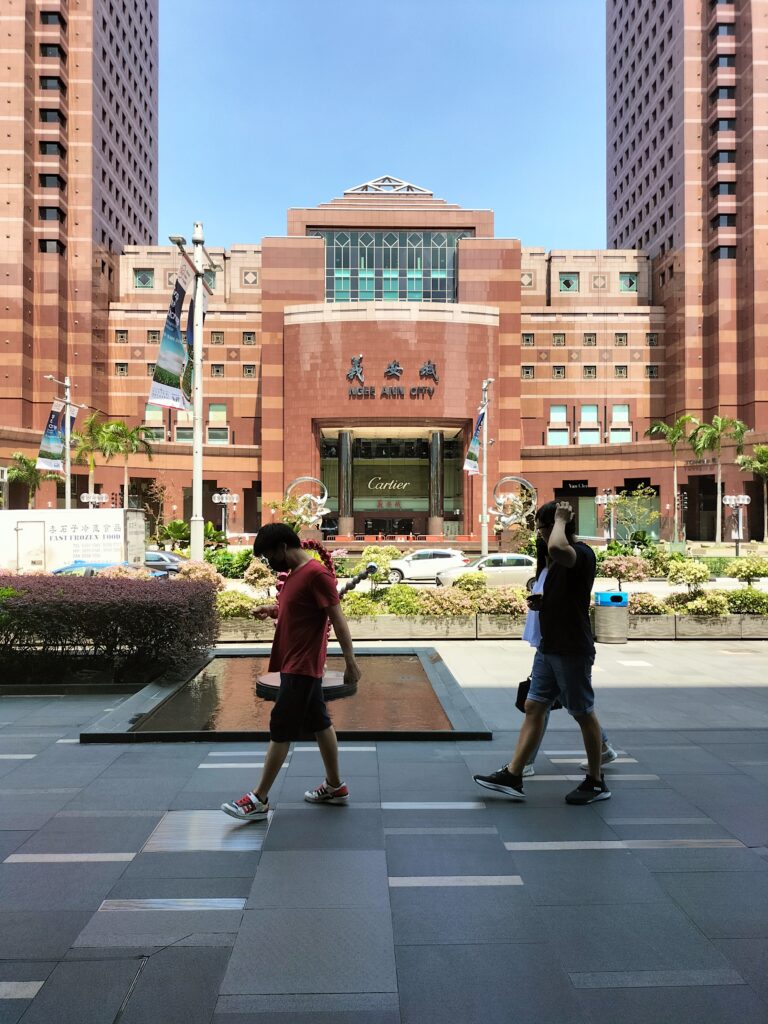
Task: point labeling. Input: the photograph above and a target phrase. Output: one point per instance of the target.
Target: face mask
(277, 560)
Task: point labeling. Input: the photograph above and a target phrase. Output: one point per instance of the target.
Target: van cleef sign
(393, 369)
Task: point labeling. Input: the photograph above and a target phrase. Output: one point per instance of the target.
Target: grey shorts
(564, 676)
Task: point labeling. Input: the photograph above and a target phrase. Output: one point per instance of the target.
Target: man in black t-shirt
(562, 668)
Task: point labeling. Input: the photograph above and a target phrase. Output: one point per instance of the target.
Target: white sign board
(48, 539)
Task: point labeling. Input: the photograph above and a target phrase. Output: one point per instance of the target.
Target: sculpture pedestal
(334, 687)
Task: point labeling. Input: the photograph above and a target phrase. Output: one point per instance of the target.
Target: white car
(425, 564)
(500, 570)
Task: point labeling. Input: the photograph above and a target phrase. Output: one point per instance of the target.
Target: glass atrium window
(390, 266)
(569, 282)
(627, 282)
(143, 278)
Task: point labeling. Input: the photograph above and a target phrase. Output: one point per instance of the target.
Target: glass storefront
(390, 484)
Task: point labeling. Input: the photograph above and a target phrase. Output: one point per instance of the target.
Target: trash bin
(611, 617)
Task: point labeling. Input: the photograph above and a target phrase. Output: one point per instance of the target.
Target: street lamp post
(484, 517)
(67, 385)
(605, 500)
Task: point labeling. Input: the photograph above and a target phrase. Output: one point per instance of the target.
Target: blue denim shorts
(564, 676)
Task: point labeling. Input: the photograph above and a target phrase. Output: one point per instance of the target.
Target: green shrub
(747, 601)
(502, 601)
(647, 604)
(657, 560)
(717, 564)
(443, 602)
(712, 603)
(201, 572)
(231, 564)
(692, 574)
(231, 604)
(748, 568)
(471, 582)
(678, 601)
(259, 576)
(400, 599)
(355, 606)
(382, 556)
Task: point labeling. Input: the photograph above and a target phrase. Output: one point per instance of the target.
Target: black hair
(541, 556)
(545, 515)
(271, 535)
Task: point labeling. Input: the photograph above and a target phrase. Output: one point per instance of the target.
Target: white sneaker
(528, 771)
(325, 794)
(607, 757)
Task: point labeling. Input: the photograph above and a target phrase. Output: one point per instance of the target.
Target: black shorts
(299, 710)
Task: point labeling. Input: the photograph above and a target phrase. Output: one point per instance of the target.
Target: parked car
(165, 560)
(425, 564)
(94, 568)
(501, 570)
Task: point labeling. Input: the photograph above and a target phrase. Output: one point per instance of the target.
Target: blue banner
(473, 452)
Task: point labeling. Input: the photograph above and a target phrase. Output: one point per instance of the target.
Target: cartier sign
(378, 483)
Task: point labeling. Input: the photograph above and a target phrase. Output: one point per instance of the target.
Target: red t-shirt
(301, 636)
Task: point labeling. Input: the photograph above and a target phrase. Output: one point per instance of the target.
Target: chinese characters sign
(392, 371)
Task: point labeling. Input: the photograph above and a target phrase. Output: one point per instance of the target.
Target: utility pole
(67, 385)
(484, 514)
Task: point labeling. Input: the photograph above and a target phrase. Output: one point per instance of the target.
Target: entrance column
(346, 503)
(435, 523)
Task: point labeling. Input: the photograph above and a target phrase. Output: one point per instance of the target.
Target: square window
(568, 282)
(153, 337)
(184, 434)
(121, 337)
(143, 278)
(558, 372)
(589, 435)
(217, 412)
(154, 433)
(622, 435)
(589, 413)
(558, 340)
(589, 372)
(217, 337)
(652, 340)
(249, 337)
(249, 370)
(620, 340)
(527, 372)
(590, 340)
(557, 436)
(620, 413)
(150, 369)
(620, 372)
(627, 282)
(218, 435)
(121, 369)
(528, 340)
(217, 369)
(652, 371)
(558, 414)
(153, 413)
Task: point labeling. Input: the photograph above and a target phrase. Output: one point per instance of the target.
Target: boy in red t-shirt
(307, 601)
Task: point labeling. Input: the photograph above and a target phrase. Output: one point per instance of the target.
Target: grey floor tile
(448, 855)
(193, 865)
(425, 752)
(581, 877)
(352, 765)
(430, 782)
(91, 835)
(724, 905)
(494, 984)
(325, 828)
(362, 788)
(315, 1002)
(750, 958)
(179, 888)
(12, 840)
(28, 934)
(728, 1005)
(312, 1017)
(83, 993)
(321, 878)
(529, 822)
(738, 803)
(658, 803)
(737, 753)
(291, 949)
(464, 916)
(142, 795)
(628, 937)
(56, 886)
(735, 859)
(154, 927)
(680, 760)
(707, 829)
(177, 986)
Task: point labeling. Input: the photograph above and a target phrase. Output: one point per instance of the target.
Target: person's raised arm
(560, 548)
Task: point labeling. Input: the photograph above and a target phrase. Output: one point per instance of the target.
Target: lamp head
(177, 239)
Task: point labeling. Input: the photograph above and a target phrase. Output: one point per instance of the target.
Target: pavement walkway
(126, 897)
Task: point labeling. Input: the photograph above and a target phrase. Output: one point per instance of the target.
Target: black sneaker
(589, 791)
(502, 781)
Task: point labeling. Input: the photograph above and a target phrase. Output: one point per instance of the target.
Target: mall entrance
(393, 481)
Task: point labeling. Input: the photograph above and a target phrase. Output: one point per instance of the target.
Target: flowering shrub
(231, 604)
(259, 576)
(201, 572)
(401, 599)
(382, 556)
(751, 567)
(355, 606)
(446, 602)
(677, 601)
(692, 574)
(125, 572)
(471, 582)
(658, 560)
(502, 601)
(712, 603)
(51, 621)
(625, 567)
(647, 604)
(231, 564)
(342, 563)
(747, 601)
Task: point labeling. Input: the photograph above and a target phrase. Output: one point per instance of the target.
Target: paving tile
(680, 760)
(352, 765)
(738, 803)
(490, 983)
(641, 803)
(312, 1017)
(584, 877)
(437, 753)
(179, 888)
(531, 822)
(142, 795)
(91, 835)
(749, 957)
(193, 865)
(28, 934)
(293, 950)
(83, 993)
(154, 927)
(177, 986)
(325, 828)
(724, 905)
(362, 788)
(431, 782)
(321, 879)
(12, 840)
(728, 1005)
(317, 1008)
(447, 855)
(56, 886)
(30, 811)
(464, 916)
(736, 859)
(628, 937)
(671, 978)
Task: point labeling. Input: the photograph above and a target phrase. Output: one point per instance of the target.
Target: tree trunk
(30, 498)
(718, 504)
(126, 483)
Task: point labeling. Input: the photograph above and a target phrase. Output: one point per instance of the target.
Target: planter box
(499, 627)
(754, 627)
(651, 627)
(707, 627)
(417, 627)
(239, 630)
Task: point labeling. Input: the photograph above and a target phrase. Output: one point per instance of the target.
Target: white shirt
(532, 629)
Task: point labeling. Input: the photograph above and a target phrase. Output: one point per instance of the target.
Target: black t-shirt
(564, 615)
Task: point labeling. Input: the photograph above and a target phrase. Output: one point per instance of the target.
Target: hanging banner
(473, 452)
(173, 355)
(51, 452)
(188, 376)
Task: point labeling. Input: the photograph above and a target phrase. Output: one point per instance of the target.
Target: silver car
(500, 570)
(425, 564)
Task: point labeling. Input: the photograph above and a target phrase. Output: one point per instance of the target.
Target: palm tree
(25, 471)
(88, 444)
(673, 434)
(709, 437)
(757, 463)
(117, 438)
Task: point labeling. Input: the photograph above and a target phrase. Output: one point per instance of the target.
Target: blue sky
(489, 103)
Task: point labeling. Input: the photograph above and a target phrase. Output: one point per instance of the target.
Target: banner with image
(174, 358)
(51, 455)
(473, 452)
